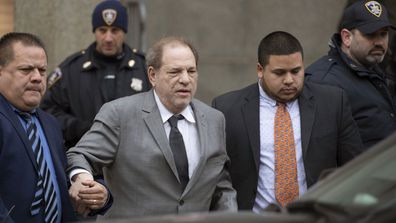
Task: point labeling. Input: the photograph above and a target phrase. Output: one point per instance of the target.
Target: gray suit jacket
(128, 142)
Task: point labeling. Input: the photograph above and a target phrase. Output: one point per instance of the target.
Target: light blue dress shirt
(266, 182)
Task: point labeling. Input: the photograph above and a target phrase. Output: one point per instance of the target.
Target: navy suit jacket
(329, 136)
(18, 168)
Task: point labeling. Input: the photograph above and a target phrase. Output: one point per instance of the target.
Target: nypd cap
(110, 13)
(366, 16)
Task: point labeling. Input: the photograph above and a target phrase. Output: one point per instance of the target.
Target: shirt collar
(268, 100)
(32, 112)
(166, 114)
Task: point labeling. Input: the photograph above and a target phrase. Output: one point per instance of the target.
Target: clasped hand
(86, 194)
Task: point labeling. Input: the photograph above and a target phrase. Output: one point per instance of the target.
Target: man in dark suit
(321, 132)
(33, 184)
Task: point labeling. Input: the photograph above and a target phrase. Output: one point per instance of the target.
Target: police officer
(353, 64)
(106, 70)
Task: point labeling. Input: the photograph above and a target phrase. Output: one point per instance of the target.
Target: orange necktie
(286, 184)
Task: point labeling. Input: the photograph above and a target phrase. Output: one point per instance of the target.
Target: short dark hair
(277, 43)
(154, 54)
(7, 45)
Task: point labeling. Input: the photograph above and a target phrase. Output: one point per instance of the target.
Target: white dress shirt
(266, 182)
(188, 129)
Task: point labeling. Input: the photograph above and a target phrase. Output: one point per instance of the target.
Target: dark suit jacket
(18, 168)
(329, 135)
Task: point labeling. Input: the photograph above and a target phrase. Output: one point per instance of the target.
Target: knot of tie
(280, 104)
(25, 115)
(174, 119)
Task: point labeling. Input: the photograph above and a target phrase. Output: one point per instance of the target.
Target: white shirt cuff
(77, 171)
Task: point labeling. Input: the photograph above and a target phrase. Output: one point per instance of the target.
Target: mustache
(378, 48)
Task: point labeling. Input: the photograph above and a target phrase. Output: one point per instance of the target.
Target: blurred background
(225, 32)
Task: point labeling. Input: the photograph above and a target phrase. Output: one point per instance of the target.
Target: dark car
(362, 191)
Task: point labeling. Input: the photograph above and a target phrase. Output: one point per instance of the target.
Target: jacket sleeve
(224, 196)
(349, 144)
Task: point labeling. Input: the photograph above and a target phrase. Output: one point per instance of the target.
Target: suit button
(181, 202)
(392, 115)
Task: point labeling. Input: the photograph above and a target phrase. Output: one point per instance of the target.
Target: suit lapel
(250, 112)
(152, 118)
(12, 117)
(307, 113)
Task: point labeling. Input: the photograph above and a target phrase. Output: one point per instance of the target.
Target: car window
(367, 184)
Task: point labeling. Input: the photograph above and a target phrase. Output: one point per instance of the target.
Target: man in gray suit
(129, 144)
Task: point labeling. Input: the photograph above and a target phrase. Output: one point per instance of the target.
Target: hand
(94, 195)
(74, 191)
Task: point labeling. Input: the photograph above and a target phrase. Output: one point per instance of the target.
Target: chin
(181, 106)
(287, 99)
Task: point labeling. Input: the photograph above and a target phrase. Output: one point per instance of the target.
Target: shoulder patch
(54, 77)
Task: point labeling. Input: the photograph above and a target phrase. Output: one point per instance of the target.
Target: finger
(89, 183)
(95, 204)
(93, 188)
(94, 194)
(90, 197)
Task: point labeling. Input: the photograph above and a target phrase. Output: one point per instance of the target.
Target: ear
(151, 75)
(260, 70)
(346, 37)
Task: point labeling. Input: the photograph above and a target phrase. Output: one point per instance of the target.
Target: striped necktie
(44, 186)
(286, 184)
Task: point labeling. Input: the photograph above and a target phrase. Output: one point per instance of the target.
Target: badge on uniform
(374, 8)
(136, 84)
(54, 76)
(109, 16)
(131, 63)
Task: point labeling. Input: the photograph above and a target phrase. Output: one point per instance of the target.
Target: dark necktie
(178, 149)
(44, 186)
(286, 184)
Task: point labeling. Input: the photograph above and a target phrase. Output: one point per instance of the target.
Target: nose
(288, 78)
(36, 75)
(108, 36)
(184, 78)
(381, 40)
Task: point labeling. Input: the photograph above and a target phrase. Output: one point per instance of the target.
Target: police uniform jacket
(77, 90)
(372, 105)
